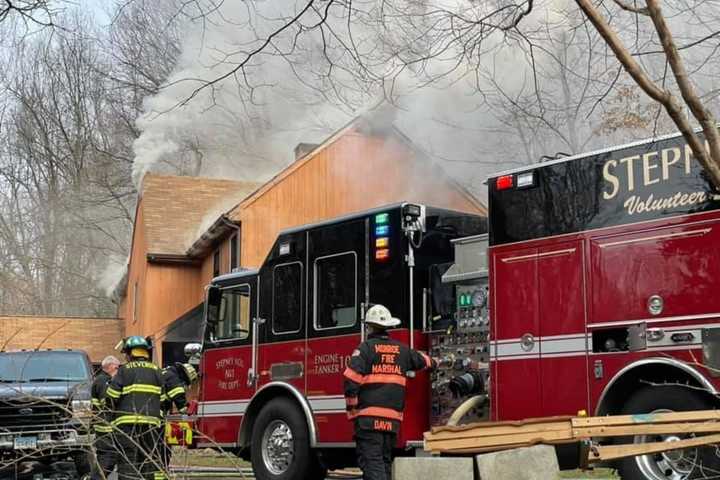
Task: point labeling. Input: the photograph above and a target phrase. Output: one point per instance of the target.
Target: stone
(432, 468)
(529, 463)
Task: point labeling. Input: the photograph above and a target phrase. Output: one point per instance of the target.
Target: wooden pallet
(496, 436)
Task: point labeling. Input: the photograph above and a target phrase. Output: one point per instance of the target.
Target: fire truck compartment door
(516, 370)
(539, 323)
(658, 273)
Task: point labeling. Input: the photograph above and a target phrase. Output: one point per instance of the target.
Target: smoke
(113, 273)
(244, 127)
(306, 84)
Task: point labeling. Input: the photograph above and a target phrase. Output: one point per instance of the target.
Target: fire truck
(592, 285)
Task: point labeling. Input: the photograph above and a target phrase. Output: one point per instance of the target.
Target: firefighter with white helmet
(375, 391)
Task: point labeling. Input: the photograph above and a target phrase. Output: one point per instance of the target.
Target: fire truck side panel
(516, 380)
(224, 393)
(283, 304)
(563, 342)
(678, 263)
(643, 223)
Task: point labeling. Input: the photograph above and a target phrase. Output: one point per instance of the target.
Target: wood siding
(353, 173)
(137, 273)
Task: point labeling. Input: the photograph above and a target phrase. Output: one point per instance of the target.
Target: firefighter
(135, 394)
(106, 457)
(375, 392)
(176, 379)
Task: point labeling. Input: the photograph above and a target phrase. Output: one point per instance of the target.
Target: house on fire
(188, 230)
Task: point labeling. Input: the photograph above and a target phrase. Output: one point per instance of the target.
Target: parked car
(45, 407)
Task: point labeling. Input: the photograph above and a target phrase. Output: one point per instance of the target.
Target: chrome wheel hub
(278, 448)
(670, 465)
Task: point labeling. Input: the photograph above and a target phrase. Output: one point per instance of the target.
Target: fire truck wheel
(671, 465)
(280, 447)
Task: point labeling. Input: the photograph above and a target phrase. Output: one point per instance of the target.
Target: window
(287, 300)
(234, 252)
(336, 291)
(216, 263)
(233, 319)
(136, 302)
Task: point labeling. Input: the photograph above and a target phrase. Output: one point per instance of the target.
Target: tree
(395, 43)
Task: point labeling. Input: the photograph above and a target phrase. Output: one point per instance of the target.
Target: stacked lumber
(495, 436)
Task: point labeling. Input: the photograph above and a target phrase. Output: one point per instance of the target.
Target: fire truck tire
(685, 464)
(280, 448)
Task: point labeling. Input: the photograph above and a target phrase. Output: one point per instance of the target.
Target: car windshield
(42, 367)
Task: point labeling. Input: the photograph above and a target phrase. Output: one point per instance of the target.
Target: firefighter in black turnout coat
(102, 418)
(176, 379)
(375, 392)
(135, 395)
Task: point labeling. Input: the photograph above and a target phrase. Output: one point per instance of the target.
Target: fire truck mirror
(711, 350)
(214, 300)
(637, 337)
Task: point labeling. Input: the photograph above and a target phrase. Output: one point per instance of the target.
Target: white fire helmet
(381, 316)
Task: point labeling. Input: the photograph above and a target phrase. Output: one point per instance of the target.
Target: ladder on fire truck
(497, 436)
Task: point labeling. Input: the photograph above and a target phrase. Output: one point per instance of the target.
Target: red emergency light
(504, 182)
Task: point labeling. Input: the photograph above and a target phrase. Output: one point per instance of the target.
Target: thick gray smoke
(474, 112)
(246, 126)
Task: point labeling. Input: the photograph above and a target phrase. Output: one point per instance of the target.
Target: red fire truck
(592, 286)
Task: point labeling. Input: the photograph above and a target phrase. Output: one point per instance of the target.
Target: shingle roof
(176, 208)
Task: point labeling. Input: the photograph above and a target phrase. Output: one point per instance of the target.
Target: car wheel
(280, 447)
(675, 464)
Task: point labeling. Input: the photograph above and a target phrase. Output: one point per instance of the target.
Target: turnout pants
(105, 456)
(140, 453)
(374, 453)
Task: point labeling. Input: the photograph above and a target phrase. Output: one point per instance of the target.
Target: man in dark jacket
(177, 378)
(375, 392)
(106, 453)
(135, 395)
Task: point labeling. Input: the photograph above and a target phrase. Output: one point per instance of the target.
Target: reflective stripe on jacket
(175, 390)
(101, 414)
(375, 381)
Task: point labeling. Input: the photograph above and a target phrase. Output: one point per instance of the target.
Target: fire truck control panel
(463, 348)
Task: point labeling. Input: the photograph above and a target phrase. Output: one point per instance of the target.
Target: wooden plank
(647, 428)
(613, 452)
(693, 416)
(498, 430)
(514, 423)
(501, 441)
(496, 448)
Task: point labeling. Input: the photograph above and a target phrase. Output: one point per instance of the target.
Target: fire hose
(465, 408)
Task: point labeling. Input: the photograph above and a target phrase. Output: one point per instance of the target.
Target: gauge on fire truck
(479, 298)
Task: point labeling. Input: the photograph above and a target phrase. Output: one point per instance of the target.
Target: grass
(206, 458)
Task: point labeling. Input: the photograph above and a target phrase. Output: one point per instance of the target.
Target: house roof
(176, 210)
(379, 122)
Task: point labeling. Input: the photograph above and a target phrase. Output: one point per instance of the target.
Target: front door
(337, 289)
